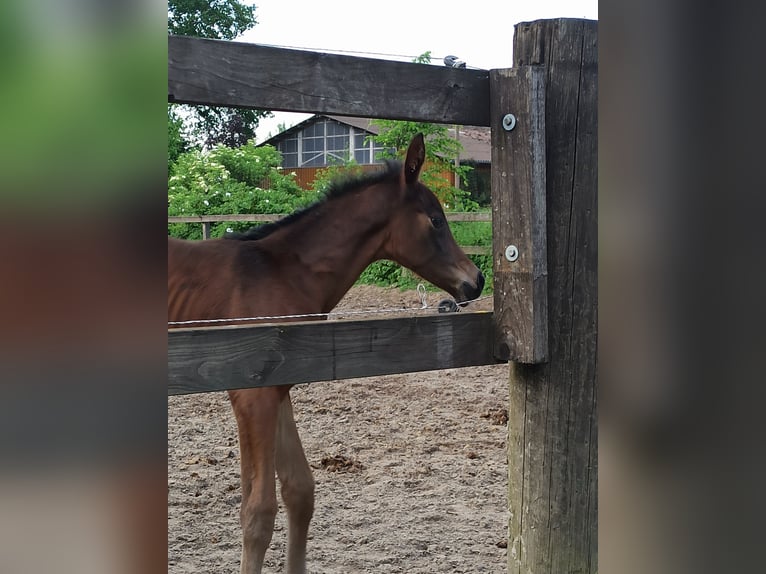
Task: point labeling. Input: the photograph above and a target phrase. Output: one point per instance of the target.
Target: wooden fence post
(518, 213)
(552, 432)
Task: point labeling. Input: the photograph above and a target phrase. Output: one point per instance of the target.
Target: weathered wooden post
(551, 334)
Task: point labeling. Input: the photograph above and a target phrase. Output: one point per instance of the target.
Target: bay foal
(305, 263)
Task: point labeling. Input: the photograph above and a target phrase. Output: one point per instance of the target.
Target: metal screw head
(509, 122)
(511, 253)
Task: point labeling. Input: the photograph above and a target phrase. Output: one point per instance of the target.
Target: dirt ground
(410, 470)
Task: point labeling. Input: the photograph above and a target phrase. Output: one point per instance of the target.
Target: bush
(226, 181)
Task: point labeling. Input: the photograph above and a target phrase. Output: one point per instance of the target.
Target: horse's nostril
(480, 282)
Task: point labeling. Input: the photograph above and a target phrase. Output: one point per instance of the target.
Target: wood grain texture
(518, 211)
(552, 432)
(219, 358)
(236, 74)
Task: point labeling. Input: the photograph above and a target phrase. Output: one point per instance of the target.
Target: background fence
(206, 220)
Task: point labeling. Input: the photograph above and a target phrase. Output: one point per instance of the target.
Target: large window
(327, 142)
(289, 149)
(337, 143)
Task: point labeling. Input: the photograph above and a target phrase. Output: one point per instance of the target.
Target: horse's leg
(257, 411)
(297, 487)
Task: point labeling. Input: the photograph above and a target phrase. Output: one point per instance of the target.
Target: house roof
(476, 143)
(474, 139)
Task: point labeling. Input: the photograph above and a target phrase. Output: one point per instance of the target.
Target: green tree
(441, 151)
(223, 20)
(177, 144)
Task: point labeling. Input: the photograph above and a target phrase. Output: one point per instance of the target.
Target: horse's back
(202, 279)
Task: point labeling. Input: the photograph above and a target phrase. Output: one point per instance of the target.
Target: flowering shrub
(227, 180)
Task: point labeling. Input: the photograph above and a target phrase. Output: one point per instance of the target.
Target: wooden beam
(219, 358)
(518, 210)
(476, 249)
(236, 74)
(553, 414)
(252, 217)
(205, 220)
(461, 216)
(267, 217)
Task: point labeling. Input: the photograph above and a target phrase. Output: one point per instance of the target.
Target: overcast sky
(480, 32)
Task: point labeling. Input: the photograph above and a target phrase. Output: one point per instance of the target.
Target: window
(337, 143)
(361, 147)
(327, 142)
(289, 150)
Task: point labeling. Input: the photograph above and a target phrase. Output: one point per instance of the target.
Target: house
(324, 140)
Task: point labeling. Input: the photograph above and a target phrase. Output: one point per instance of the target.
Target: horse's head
(420, 238)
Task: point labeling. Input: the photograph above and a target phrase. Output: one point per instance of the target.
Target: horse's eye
(437, 222)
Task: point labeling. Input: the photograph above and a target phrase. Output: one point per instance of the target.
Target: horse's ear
(416, 155)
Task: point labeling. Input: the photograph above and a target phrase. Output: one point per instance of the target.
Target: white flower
(206, 202)
(257, 160)
(267, 201)
(293, 173)
(229, 230)
(228, 194)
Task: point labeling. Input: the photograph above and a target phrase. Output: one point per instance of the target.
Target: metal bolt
(511, 253)
(509, 122)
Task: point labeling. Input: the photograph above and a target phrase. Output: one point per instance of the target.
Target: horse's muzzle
(469, 292)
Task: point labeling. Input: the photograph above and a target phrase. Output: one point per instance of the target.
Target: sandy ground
(410, 470)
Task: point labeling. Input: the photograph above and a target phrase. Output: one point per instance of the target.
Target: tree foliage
(177, 144)
(441, 151)
(223, 20)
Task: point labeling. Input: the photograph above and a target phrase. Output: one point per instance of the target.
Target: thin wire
(410, 58)
(326, 315)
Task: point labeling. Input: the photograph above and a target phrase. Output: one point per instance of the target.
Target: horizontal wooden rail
(206, 220)
(253, 217)
(220, 358)
(476, 249)
(266, 217)
(237, 74)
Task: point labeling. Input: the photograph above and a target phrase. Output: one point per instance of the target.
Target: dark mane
(340, 187)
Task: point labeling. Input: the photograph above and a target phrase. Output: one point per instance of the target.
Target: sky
(479, 32)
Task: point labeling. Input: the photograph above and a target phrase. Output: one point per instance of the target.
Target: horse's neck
(330, 249)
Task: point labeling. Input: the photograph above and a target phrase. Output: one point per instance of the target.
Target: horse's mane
(339, 187)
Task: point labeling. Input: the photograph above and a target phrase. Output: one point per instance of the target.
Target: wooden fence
(544, 184)
(219, 358)
(206, 220)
